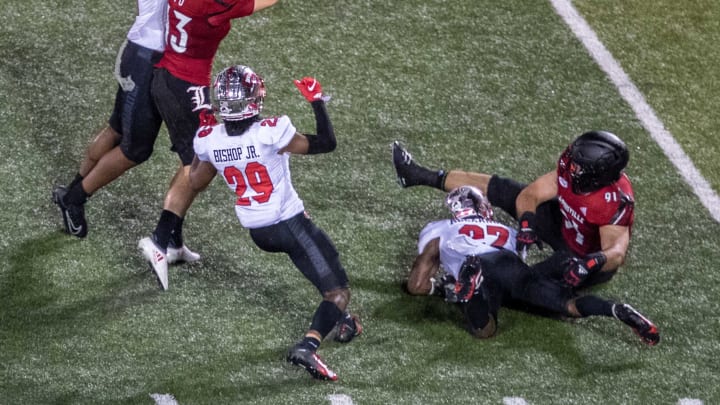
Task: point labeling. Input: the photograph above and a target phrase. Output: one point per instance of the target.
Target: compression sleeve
(325, 140)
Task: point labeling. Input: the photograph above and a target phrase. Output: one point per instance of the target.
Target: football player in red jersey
(132, 129)
(180, 83)
(583, 209)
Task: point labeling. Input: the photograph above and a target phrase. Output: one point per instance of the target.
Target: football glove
(310, 88)
(469, 279)
(526, 235)
(579, 269)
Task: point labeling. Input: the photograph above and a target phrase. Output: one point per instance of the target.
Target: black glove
(526, 235)
(469, 279)
(579, 269)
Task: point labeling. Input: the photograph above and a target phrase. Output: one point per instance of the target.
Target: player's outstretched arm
(324, 141)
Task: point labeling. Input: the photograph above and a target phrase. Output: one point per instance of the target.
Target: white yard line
(514, 401)
(340, 399)
(637, 102)
(164, 399)
(690, 401)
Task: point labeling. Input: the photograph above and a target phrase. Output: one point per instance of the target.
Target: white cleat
(156, 259)
(179, 255)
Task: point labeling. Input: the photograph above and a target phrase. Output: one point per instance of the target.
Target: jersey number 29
(256, 176)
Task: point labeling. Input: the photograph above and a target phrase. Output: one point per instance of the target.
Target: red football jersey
(584, 214)
(193, 34)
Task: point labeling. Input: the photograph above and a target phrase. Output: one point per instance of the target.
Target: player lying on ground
(485, 272)
(584, 208)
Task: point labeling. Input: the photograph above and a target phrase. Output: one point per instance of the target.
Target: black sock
(310, 343)
(325, 318)
(164, 228)
(589, 305)
(78, 178)
(176, 239)
(430, 177)
(76, 195)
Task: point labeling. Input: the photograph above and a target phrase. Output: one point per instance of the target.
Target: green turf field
(495, 86)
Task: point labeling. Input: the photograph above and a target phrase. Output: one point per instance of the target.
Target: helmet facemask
(239, 93)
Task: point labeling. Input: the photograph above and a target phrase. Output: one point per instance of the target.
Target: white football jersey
(459, 239)
(253, 169)
(149, 28)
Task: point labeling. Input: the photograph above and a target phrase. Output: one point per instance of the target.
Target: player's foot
(409, 173)
(310, 361)
(73, 215)
(347, 328)
(156, 259)
(180, 254)
(642, 326)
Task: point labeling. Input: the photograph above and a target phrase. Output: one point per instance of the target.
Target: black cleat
(642, 326)
(347, 328)
(73, 215)
(310, 361)
(408, 172)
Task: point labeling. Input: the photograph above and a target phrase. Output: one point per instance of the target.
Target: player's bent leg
(105, 140)
(409, 173)
(111, 165)
(457, 178)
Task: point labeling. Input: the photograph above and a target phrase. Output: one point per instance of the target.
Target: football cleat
(310, 361)
(347, 328)
(642, 326)
(181, 254)
(156, 259)
(73, 215)
(406, 169)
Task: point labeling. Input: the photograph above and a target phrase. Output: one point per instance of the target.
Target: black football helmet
(239, 93)
(597, 159)
(466, 201)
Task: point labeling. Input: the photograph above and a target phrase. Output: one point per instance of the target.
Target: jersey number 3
(256, 176)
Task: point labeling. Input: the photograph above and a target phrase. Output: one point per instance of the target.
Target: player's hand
(579, 269)
(469, 279)
(310, 88)
(526, 235)
(576, 272)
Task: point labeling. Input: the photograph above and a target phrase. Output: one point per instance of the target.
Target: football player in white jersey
(132, 129)
(484, 272)
(252, 155)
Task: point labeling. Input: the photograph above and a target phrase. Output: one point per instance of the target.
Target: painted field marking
(690, 401)
(642, 109)
(164, 399)
(340, 399)
(514, 401)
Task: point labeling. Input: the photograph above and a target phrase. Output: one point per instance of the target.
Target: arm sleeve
(325, 140)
